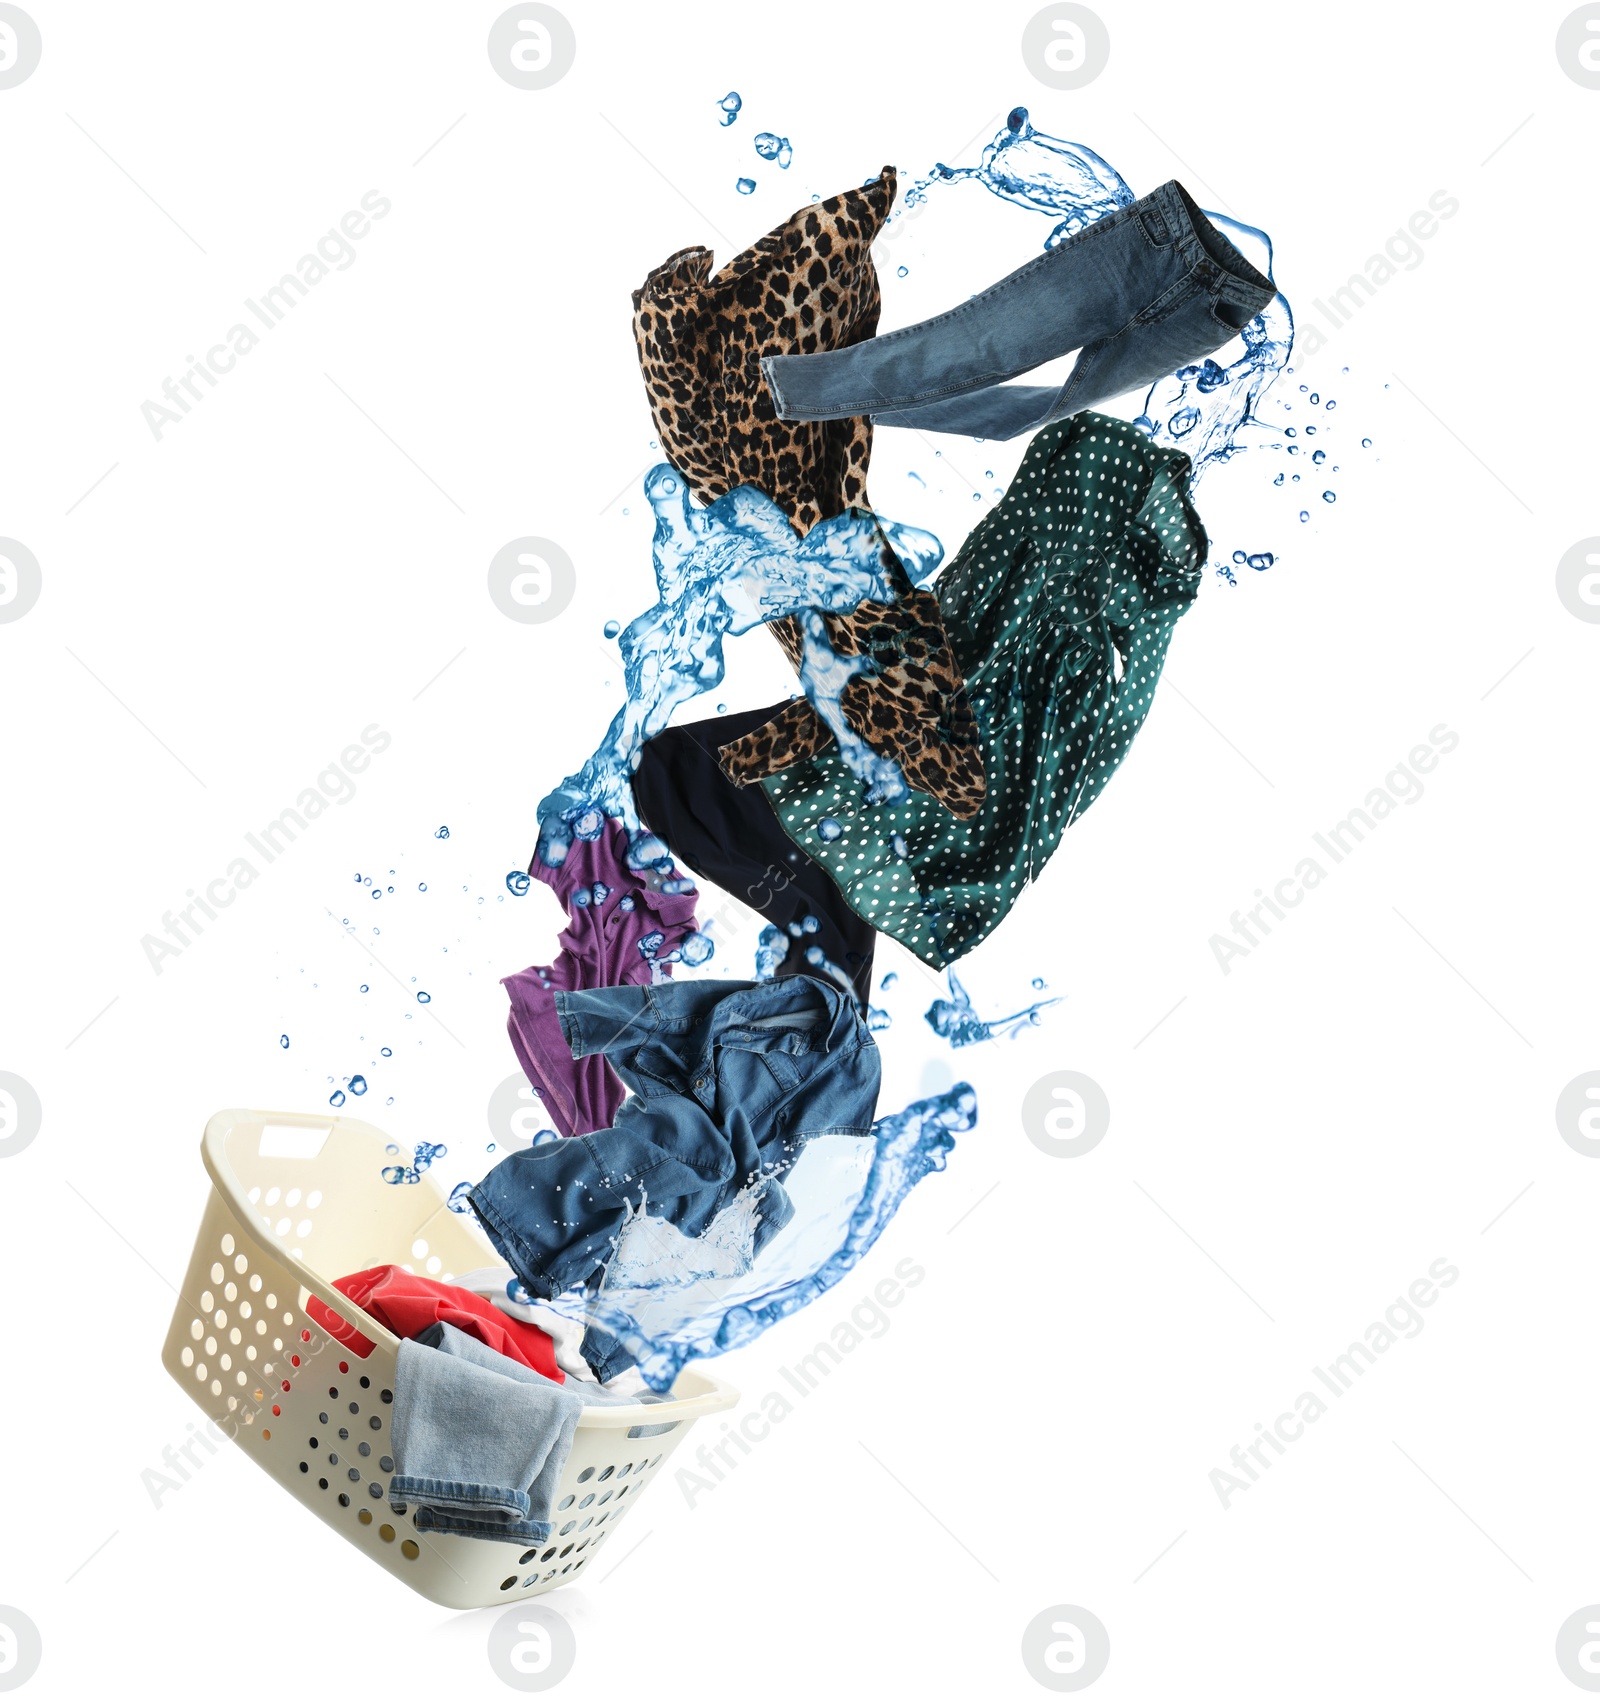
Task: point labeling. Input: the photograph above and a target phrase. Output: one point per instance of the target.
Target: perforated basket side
(315, 1415)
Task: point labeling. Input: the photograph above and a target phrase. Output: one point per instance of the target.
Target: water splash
(671, 1299)
(422, 1157)
(720, 571)
(1065, 180)
(822, 966)
(777, 147)
(772, 949)
(825, 676)
(960, 1026)
(1200, 409)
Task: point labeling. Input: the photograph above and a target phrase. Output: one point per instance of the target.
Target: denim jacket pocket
(784, 1071)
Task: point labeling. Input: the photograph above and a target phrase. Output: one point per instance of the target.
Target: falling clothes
(480, 1441)
(1064, 600)
(408, 1305)
(730, 1081)
(1142, 291)
(808, 285)
(620, 926)
(732, 837)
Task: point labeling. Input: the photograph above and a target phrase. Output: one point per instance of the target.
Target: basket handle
(718, 1398)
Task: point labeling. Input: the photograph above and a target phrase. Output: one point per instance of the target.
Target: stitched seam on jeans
(995, 292)
(453, 1493)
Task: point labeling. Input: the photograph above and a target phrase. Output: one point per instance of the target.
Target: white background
(1292, 1143)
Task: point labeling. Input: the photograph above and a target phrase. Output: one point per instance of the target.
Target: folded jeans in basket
(480, 1441)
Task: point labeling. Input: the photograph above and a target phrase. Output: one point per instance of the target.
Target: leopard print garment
(808, 286)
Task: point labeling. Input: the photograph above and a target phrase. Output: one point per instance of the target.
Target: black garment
(731, 836)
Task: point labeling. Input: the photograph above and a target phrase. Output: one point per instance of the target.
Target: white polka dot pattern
(1060, 606)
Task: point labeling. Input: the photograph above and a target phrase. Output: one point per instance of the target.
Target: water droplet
(696, 949)
(423, 995)
(1316, 400)
(746, 185)
(377, 895)
(904, 271)
(890, 979)
(613, 626)
(729, 104)
(518, 882)
(423, 888)
(1038, 983)
(830, 830)
(442, 832)
(336, 1099)
(363, 989)
(1318, 457)
(358, 1085)
(283, 1041)
(1304, 517)
(1366, 441)
(386, 1052)
(1329, 496)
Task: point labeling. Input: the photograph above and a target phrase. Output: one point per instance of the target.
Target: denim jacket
(730, 1080)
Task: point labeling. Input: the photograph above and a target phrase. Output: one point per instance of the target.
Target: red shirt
(408, 1305)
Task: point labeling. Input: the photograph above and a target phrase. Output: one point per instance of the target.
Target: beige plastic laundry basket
(310, 1402)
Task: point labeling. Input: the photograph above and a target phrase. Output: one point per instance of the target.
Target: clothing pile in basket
(945, 740)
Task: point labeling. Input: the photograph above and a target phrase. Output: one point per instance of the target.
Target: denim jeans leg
(1141, 281)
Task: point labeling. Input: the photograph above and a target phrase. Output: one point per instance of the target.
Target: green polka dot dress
(1060, 606)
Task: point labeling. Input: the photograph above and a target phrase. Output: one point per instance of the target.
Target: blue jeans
(480, 1440)
(1142, 291)
(730, 1080)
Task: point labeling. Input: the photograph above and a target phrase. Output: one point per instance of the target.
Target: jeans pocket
(1164, 305)
(1229, 315)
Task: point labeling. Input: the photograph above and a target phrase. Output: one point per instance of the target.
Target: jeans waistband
(1219, 266)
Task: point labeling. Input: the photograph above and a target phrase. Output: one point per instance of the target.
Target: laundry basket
(310, 1402)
